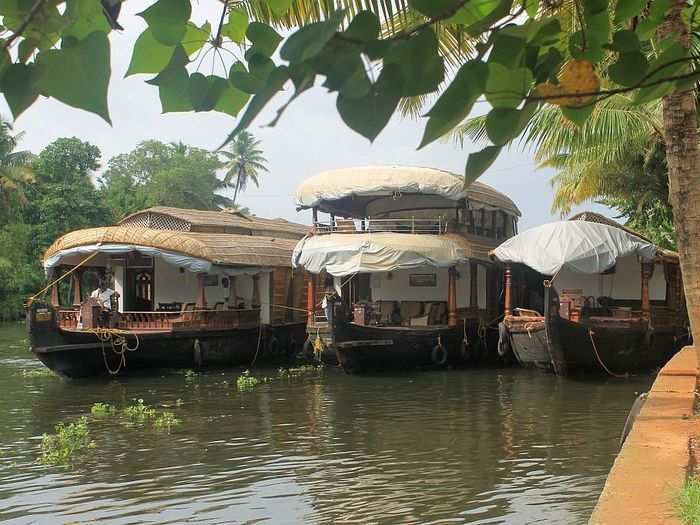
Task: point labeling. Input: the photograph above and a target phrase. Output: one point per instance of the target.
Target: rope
(257, 350)
(595, 350)
(117, 338)
(465, 340)
(55, 281)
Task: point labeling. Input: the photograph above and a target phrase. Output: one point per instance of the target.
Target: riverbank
(653, 464)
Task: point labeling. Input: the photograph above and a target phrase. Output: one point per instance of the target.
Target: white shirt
(104, 297)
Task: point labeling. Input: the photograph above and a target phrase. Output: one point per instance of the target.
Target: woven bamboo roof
(223, 249)
(181, 219)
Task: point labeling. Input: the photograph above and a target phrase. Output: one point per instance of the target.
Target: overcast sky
(309, 138)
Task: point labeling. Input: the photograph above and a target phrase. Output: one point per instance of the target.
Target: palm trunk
(683, 158)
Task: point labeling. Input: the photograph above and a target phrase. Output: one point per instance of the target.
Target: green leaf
(479, 16)
(625, 41)
(369, 114)
(167, 19)
(236, 26)
(507, 50)
(531, 7)
(20, 86)
(419, 62)
(580, 47)
(279, 7)
(597, 29)
(657, 14)
(668, 64)
(84, 17)
(364, 27)
(578, 115)
(205, 91)
(264, 39)
(456, 101)
(195, 37)
(626, 9)
(308, 41)
(78, 75)
(502, 125)
(231, 101)
(275, 83)
(254, 80)
(629, 69)
(174, 83)
(433, 8)
(479, 162)
(149, 55)
(507, 87)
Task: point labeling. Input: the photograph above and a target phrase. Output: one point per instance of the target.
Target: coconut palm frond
(243, 162)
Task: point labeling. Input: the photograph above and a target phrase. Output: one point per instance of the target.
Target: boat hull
(361, 348)
(78, 353)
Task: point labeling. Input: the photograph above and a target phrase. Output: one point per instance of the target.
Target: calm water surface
(474, 446)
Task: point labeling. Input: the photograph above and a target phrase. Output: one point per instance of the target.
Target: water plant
(139, 411)
(166, 420)
(179, 402)
(688, 501)
(189, 375)
(38, 372)
(300, 371)
(102, 409)
(60, 448)
(246, 381)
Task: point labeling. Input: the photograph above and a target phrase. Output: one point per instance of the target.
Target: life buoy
(465, 349)
(273, 345)
(439, 355)
(197, 351)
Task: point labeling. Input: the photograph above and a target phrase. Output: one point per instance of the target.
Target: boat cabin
(173, 268)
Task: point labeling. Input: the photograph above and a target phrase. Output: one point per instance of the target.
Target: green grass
(688, 501)
(166, 421)
(61, 447)
(139, 411)
(246, 381)
(102, 409)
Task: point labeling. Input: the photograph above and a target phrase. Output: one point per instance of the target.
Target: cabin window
(500, 225)
(488, 223)
(211, 280)
(143, 284)
(422, 280)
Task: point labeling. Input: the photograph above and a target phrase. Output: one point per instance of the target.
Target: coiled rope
(600, 361)
(118, 341)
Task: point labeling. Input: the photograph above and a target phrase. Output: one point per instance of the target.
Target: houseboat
(177, 289)
(589, 295)
(402, 277)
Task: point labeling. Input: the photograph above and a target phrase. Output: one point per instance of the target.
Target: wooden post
(473, 285)
(201, 293)
(310, 300)
(76, 277)
(508, 276)
(452, 297)
(647, 272)
(55, 301)
(232, 292)
(314, 213)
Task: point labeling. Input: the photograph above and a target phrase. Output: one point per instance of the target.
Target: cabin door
(139, 297)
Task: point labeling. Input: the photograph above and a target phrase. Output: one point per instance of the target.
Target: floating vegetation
(190, 375)
(60, 448)
(166, 420)
(179, 402)
(246, 381)
(102, 409)
(139, 411)
(38, 372)
(299, 371)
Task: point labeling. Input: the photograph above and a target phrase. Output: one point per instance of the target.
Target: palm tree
(15, 170)
(243, 162)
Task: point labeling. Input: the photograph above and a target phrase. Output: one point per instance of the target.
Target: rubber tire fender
(503, 340)
(273, 345)
(439, 355)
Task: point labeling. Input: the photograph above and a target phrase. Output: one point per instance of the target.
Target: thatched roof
(181, 219)
(221, 249)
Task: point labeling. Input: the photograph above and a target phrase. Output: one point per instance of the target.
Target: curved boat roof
(350, 189)
(348, 253)
(217, 249)
(580, 246)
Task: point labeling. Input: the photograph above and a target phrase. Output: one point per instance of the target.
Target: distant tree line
(46, 195)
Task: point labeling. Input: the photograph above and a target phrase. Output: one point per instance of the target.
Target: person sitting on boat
(396, 314)
(104, 295)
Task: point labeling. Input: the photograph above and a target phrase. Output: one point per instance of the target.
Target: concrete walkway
(653, 462)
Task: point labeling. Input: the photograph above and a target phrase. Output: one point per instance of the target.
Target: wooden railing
(415, 225)
(68, 318)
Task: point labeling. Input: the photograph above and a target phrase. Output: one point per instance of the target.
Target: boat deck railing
(414, 225)
(158, 320)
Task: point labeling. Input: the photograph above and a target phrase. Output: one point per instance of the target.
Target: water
(474, 446)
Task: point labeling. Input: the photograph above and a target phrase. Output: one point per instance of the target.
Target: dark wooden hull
(74, 354)
(374, 348)
(600, 347)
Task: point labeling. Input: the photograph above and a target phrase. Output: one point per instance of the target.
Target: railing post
(232, 292)
(77, 292)
(201, 293)
(647, 272)
(54, 288)
(413, 224)
(473, 285)
(310, 300)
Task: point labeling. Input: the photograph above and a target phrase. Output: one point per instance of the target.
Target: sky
(309, 138)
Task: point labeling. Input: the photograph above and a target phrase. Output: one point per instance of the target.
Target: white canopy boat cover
(584, 247)
(346, 254)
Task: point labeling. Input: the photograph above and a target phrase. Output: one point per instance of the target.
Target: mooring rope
(63, 276)
(119, 343)
(257, 349)
(595, 350)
